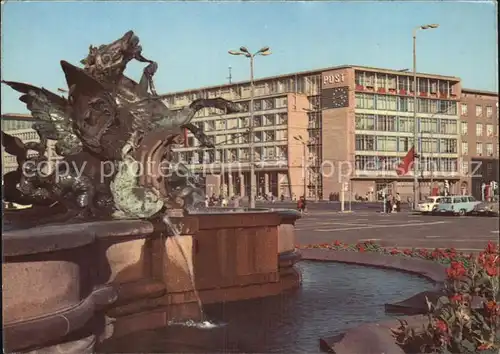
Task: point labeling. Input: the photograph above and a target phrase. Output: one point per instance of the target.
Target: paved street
(324, 206)
(402, 229)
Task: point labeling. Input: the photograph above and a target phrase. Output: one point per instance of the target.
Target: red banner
(405, 166)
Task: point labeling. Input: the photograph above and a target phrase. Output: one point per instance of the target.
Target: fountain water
(176, 234)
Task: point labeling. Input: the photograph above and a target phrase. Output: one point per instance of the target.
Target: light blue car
(456, 205)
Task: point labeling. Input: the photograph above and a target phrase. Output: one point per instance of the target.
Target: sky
(190, 40)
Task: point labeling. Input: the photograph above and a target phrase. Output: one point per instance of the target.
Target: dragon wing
(26, 88)
(13, 145)
(49, 108)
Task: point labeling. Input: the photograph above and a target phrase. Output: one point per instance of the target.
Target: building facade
(479, 145)
(359, 126)
(342, 128)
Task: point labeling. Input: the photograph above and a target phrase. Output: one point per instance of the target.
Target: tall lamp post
(244, 51)
(415, 128)
(304, 155)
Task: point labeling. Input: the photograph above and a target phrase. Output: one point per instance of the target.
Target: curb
(431, 270)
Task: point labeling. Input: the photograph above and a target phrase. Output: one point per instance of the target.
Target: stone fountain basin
(110, 278)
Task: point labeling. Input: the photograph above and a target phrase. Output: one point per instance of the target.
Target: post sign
(335, 78)
(332, 79)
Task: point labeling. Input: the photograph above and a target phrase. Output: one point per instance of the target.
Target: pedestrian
(301, 204)
(388, 205)
(398, 202)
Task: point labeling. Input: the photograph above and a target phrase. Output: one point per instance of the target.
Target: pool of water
(333, 298)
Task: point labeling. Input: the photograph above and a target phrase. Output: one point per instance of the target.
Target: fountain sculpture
(92, 259)
(107, 129)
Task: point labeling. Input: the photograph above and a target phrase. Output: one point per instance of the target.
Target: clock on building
(337, 97)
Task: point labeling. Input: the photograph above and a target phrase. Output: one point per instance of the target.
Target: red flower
(361, 249)
(456, 298)
(491, 307)
(441, 326)
(456, 270)
(394, 251)
(492, 248)
(491, 270)
(337, 243)
(407, 252)
(484, 346)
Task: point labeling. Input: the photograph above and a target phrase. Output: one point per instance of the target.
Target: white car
(428, 204)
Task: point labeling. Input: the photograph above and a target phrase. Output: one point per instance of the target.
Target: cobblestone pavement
(470, 233)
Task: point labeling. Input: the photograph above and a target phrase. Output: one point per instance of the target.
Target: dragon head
(109, 61)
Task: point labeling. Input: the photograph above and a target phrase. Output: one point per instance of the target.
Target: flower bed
(453, 325)
(443, 256)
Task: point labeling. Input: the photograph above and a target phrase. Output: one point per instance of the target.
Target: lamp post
(244, 51)
(415, 128)
(304, 154)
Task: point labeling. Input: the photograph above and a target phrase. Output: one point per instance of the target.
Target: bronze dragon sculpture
(106, 128)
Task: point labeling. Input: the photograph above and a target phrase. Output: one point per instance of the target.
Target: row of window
(269, 153)
(480, 149)
(390, 163)
(16, 124)
(310, 85)
(464, 110)
(480, 128)
(242, 122)
(266, 136)
(405, 104)
(468, 167)
(402, 82)
(29, 135)
(244, 106)
(403, 144)
(259, 137)
(382, 122)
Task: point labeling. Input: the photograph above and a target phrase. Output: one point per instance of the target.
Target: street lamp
(415, 125)
(304, 154)
(244, 51)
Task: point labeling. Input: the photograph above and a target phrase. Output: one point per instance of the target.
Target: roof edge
(313, 71)
(481, 92)
(17, 116)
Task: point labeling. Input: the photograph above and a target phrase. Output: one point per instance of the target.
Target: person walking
(301, 204)
(398, 202)
(388, 205)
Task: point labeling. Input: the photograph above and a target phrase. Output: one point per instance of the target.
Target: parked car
(428, 204)
(487, 208)
(456, 205)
